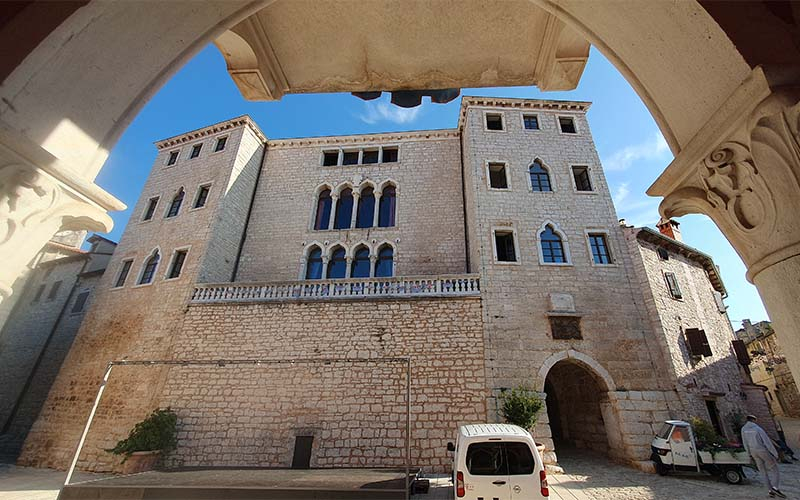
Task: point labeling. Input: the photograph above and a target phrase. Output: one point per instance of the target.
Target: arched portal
(576, 396)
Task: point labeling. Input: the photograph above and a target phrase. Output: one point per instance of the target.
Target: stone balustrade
(464, 285)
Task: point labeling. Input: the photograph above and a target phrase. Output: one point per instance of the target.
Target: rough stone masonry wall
(133, 321)
(516, 296)
(356, 413)
(715, 377)
(429, 229)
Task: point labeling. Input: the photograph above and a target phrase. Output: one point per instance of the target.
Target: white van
(497, 462)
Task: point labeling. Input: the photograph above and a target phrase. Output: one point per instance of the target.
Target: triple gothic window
(367, 206)
(338, 265)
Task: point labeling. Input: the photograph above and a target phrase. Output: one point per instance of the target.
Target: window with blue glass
(361, 265)
(337, 266)
(385, 265)
(323, 215)
(552, 247)
(314, 264)
(149, 270)
(540, 177)
(366, 208)
(386, 210)
(344, 210)
(599, 247)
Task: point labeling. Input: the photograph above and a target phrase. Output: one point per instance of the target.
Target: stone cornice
(211, 130)
(509, 102)
(365, 139)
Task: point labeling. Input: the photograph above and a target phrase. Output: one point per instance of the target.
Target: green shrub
(155, 433)
(705, 434)
(520, 406)
(737, 421)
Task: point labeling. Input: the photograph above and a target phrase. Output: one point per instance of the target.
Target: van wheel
(661, 469)
(734, 475)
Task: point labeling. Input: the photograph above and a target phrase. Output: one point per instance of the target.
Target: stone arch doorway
(576, 397)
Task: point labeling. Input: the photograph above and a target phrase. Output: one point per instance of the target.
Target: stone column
(354, 214)
(376, 212)
(40, 196)
(743, 171)
(373, 261)
(332, 215)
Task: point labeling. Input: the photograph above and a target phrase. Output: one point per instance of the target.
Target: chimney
(670, 228)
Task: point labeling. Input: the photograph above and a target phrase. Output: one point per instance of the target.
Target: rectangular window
(390, 155)
(697, 342)
(350, 158)
(565, 327)
(177, 264)
(123, 272)
(567, 125)
(330, 158)
(504, 245)
(80, 302)
(600, 253)
(663, 254)
(202, 196)
(531, 122)
(196, 150)
(494, 121)
(39, 293)
(497, 176)
(220, 145)
(173, 158)
(54, 290)
(582, 180)
(370, 156)
(152, 203)
(672, 285)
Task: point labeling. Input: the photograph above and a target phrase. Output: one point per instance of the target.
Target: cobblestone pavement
(593, 477)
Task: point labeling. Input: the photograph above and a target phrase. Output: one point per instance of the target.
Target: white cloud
(620, 194)
(654, 148)
(382, 111)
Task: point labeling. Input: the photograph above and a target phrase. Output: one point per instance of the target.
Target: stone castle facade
(489, 255)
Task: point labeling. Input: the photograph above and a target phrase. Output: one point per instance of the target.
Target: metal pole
(89, 423)
(408, 427)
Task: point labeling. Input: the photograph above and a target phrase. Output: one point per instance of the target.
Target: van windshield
(663, 433)
(499, 459)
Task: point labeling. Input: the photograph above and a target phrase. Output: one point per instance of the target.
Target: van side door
(522, 471)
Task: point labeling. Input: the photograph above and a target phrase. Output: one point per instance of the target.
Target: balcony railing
(355, 288)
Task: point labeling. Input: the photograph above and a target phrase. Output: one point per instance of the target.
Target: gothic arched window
(385, 265)
(360, 266)
(323, 215)
(150, 267)
(386, 211)
(175, 206)
(540, 177)
(366, 208)
(552, 246)
(344, 210)
(337, 266)
(314, 264)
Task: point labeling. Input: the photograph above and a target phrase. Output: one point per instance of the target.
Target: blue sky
(632, 150)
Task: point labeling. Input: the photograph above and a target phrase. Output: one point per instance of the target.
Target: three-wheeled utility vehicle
(675, 449)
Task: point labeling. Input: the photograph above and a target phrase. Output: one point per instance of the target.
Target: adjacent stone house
(307, 275)
(769, 368)
(40, 328)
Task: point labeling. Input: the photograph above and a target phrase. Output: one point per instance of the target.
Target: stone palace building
(306, 272)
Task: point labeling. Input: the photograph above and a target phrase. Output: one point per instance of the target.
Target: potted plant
(521, 406)
(147, 441)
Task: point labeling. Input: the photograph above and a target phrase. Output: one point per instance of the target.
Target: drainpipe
(249, 213)
(464, 200)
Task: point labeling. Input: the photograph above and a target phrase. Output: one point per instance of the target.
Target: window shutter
(672, 284)
(720, 304)
(741, 352)
(697, 342)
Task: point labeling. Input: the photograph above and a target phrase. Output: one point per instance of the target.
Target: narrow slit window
(504, 246)
(567, 125)
(494, 121)
(39, 293)
(123, 273)
(390, 155)
(80, 302)
(582, 180)
(202, 196)
(531, 122)
(173, 158)
(330, 158)
(177, 264)
(599, 247)
(220, 145)
(196, 150)
(152, 203)
(54, 290)
(350, 158)
(370, 156)
(498, 176)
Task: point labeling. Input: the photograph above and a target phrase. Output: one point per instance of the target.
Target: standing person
(760, 447)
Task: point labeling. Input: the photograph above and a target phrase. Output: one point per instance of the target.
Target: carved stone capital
(747, 180)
